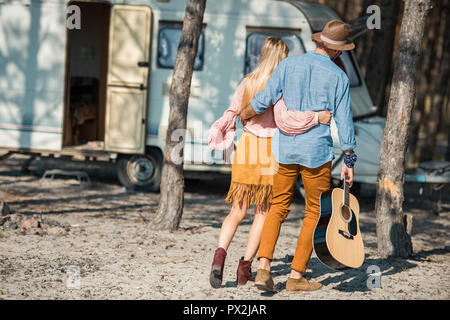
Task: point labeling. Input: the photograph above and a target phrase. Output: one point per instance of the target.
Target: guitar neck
(346, 192)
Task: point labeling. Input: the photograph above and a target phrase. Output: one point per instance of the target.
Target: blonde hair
(273, 51)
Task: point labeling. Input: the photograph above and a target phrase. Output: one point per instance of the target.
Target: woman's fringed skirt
(252, 172)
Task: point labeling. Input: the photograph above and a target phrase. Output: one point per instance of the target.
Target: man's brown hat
(334, 36)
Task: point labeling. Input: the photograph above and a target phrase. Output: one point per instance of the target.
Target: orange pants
(315, 181)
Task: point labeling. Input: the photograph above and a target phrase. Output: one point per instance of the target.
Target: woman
(251, 177)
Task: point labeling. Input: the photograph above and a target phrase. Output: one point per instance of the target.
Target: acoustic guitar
(337, 239)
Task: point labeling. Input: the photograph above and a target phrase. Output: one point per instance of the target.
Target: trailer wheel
(141, 172)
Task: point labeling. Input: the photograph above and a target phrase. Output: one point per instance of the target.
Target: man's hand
(247, 112)
(325, 117)
(349, 172)
(244, 122)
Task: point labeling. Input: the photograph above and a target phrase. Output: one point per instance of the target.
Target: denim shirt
(310, 81)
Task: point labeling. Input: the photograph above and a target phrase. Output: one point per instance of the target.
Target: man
(311, 81)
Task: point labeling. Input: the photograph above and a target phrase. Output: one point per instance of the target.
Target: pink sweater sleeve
(292, 122)
(221, 133)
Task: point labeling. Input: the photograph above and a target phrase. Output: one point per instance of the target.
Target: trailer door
(127, 80)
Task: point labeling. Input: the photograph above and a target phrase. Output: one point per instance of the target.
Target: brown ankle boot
(296, 285)
(264, 281)
(215, 277)
(244, 272)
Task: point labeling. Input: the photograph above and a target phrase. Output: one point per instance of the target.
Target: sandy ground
(103, 231)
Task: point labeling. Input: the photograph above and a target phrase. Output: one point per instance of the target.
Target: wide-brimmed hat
(334, 36)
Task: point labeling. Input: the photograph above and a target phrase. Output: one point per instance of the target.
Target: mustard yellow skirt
(252, 172)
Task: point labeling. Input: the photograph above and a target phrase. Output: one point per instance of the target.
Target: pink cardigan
(290, 122)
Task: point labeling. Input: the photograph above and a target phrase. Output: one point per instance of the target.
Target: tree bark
(364, 43)
(447, 153)
(438, 83)
(171, 201)
(393, 239)
(424, 78)
(380, 57)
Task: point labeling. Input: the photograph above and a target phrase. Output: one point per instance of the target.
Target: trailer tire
(141, 172)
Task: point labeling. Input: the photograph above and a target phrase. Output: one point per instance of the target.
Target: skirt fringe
(260, 195)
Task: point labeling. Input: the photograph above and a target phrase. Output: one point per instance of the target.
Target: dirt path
(102, 230)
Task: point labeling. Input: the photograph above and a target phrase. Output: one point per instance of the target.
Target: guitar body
(337, 239)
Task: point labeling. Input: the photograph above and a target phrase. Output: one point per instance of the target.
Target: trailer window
(350, 69)
(255, 41)
(168, 39)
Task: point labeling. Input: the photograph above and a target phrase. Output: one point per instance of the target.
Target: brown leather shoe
(215, 277)
(244, 272)
(296, 285)
(264, 281)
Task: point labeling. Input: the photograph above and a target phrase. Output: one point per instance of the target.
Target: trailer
(101, 92)
(432, 177)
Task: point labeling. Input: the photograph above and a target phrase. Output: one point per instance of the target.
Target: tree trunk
(393, 240)
(447, 153)
(170, 207)
(380, 57)
(341, 8)
(364, 42)
(423, 87)
(438, 82)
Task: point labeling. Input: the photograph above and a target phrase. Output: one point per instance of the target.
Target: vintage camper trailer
(101, 91)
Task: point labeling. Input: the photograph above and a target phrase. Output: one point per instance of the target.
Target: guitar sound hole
(346, 213)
